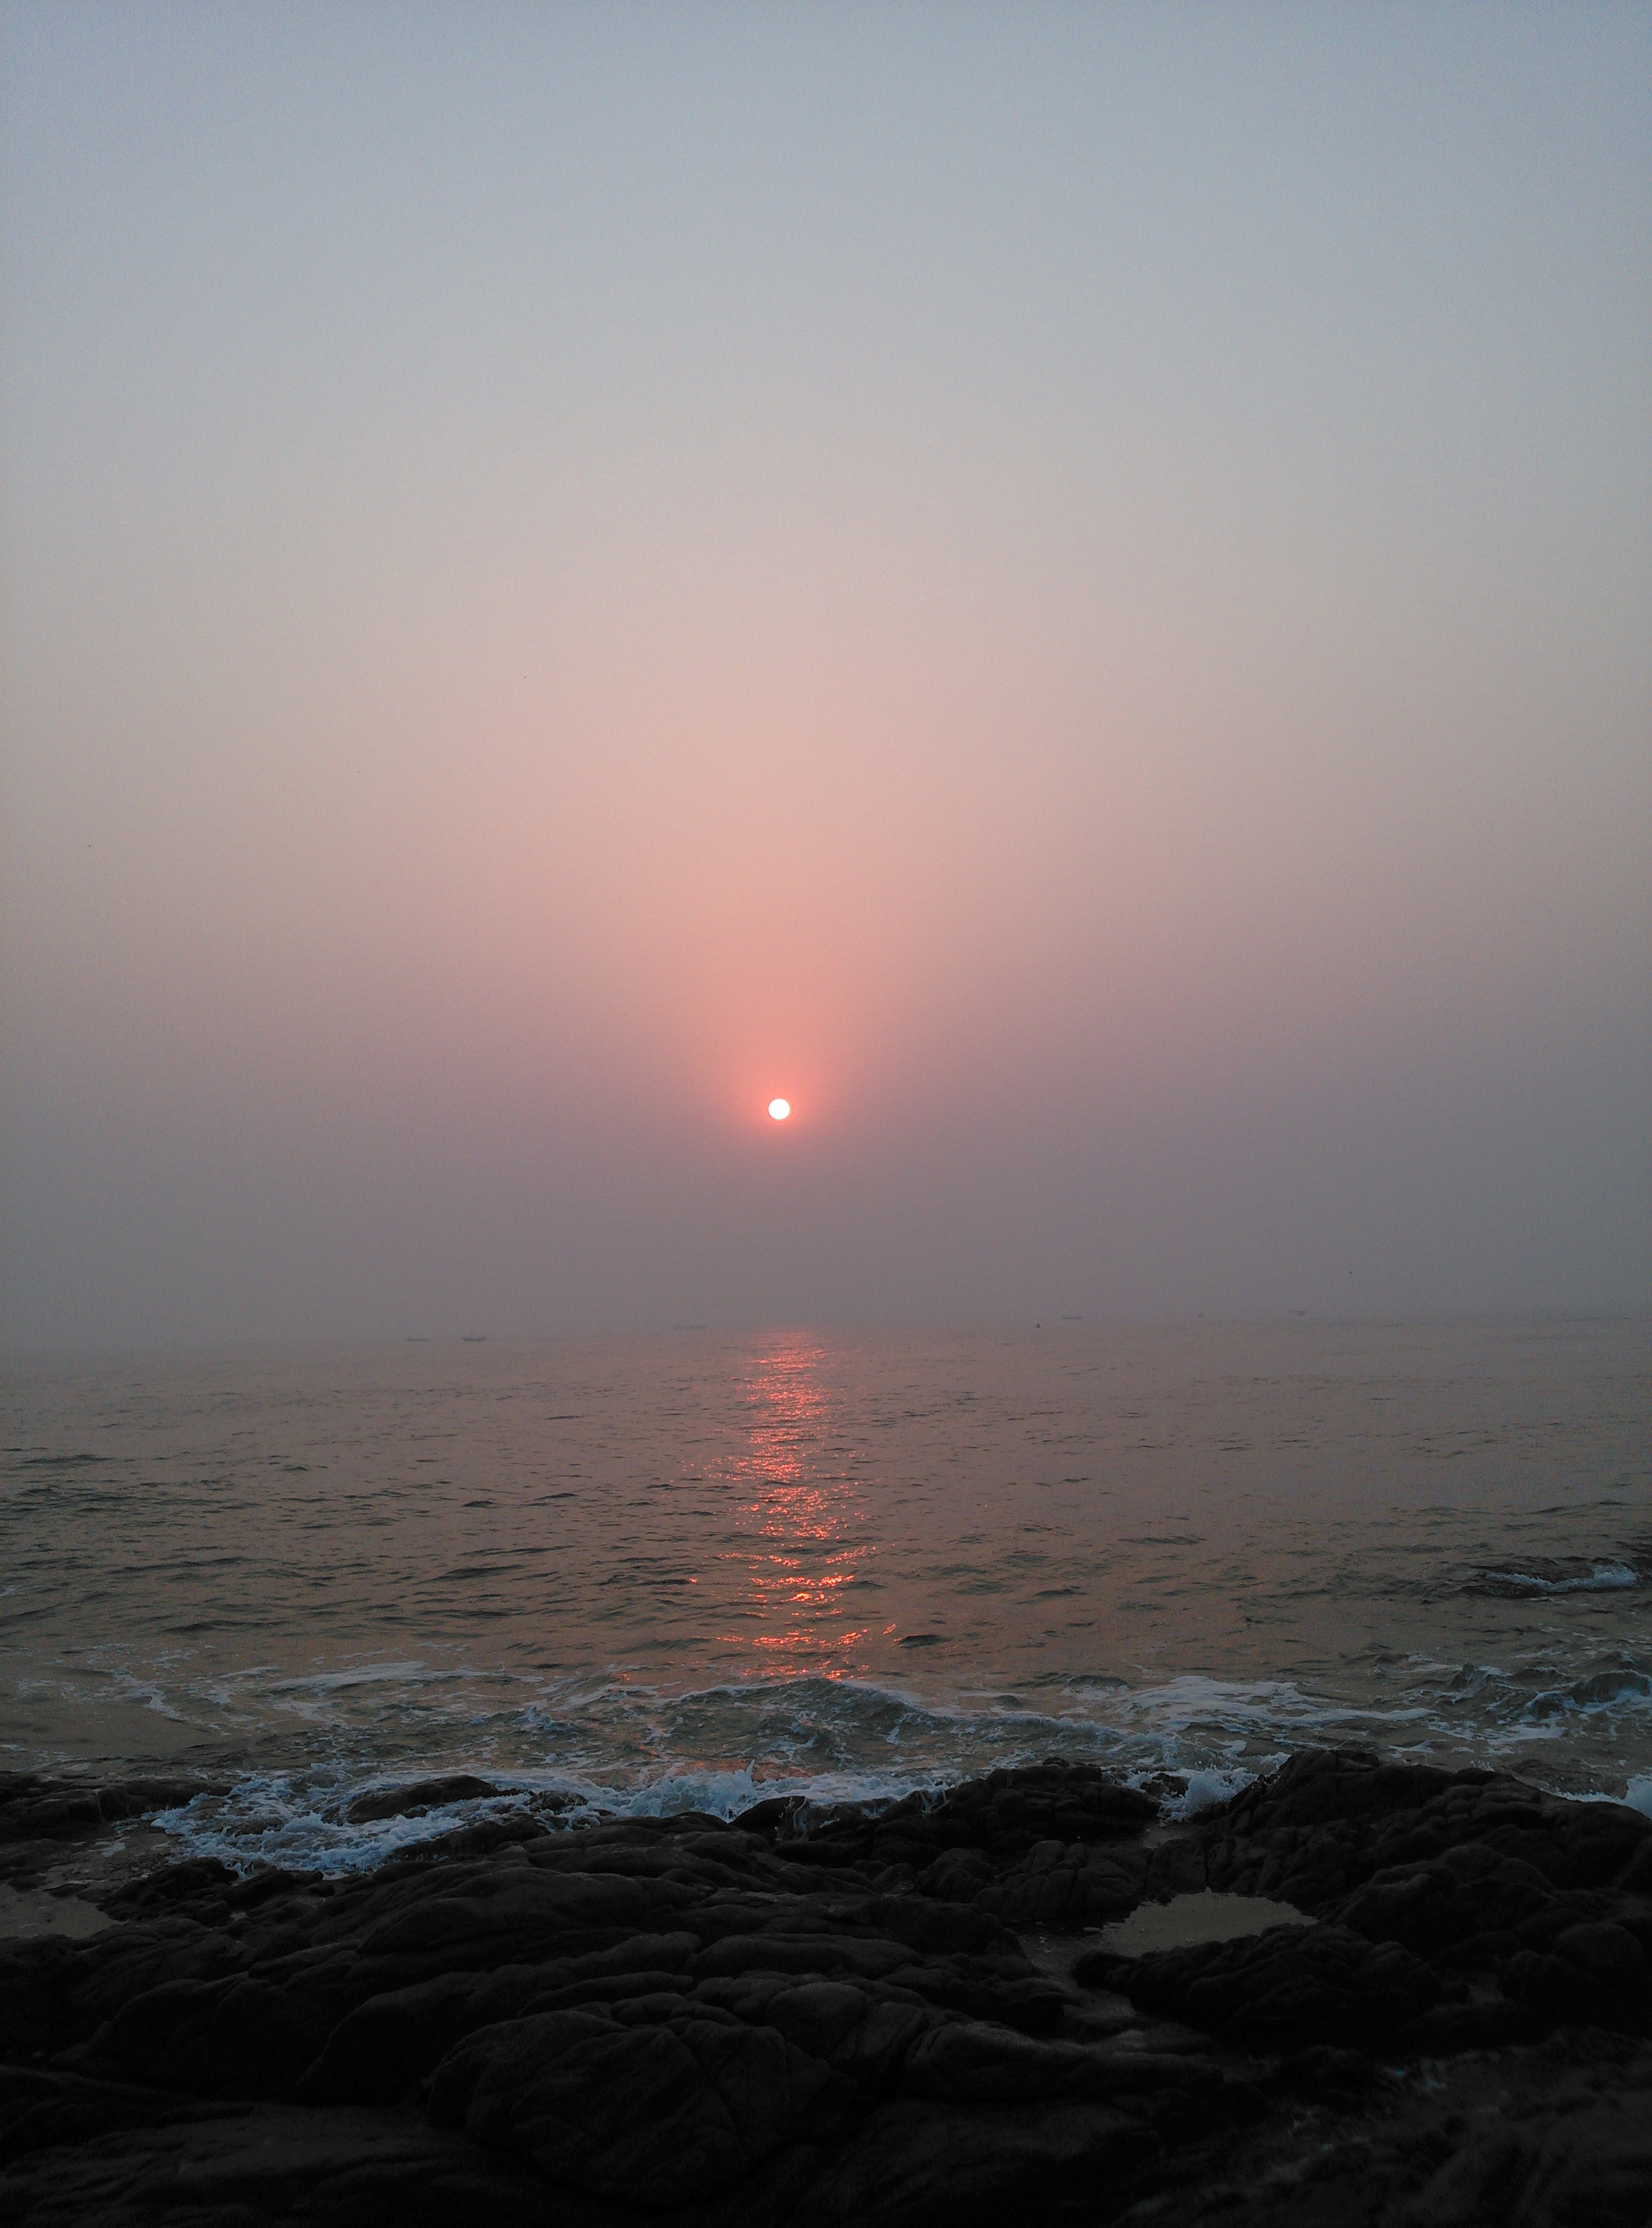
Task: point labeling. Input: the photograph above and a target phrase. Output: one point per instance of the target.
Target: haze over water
(1064, 588)
(671, 1573)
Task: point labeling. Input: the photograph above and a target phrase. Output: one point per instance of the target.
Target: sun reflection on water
(805, 1537)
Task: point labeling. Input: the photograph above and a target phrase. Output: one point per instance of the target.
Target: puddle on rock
(1186, 1919)
(27, 1912)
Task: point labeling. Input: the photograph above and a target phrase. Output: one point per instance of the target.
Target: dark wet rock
(1333, 1820)
(654, 2104)
(196, 1881)
(925, 2164)
(1072, 1886)
(479, 1840)
(346, 2169)
(816, 2018)
(1548, 1901)
(189, 1881)
(1004, 1816)
(48, 1826)
(415, 1801)
(1323, 2073)
(1281, 1990)
(1054, 1884)
(36, 1809)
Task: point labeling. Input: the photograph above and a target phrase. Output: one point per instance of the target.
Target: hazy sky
(1070, 587)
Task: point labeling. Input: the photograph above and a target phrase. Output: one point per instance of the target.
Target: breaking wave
(1553, 1578)
(590, 1749)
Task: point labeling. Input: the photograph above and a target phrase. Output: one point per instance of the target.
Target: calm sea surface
(669, 1574)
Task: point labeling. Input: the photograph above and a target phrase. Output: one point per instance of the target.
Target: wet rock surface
(45, 1825)
(899, 2015)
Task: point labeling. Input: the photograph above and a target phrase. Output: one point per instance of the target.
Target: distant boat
(417, 1338)
(473, 1338)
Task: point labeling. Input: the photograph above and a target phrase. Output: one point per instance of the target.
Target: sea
(691, 1570)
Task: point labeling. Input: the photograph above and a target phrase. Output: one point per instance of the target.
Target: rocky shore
(1031, 1998)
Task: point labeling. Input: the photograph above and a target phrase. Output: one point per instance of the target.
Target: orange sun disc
(779, 1108)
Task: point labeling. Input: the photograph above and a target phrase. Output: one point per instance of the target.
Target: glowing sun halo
(779, 1108)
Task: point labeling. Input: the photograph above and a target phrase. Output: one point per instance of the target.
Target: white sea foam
(617, 1745)
(410, 1673)
(1207, 1789)
(1606, 1691)
(1194, 1742)
(1602, 1578)
(150, 1696)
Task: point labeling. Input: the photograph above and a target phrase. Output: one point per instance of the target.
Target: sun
(779, 1108)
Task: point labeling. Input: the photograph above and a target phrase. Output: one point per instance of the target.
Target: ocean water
(688, 1572)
